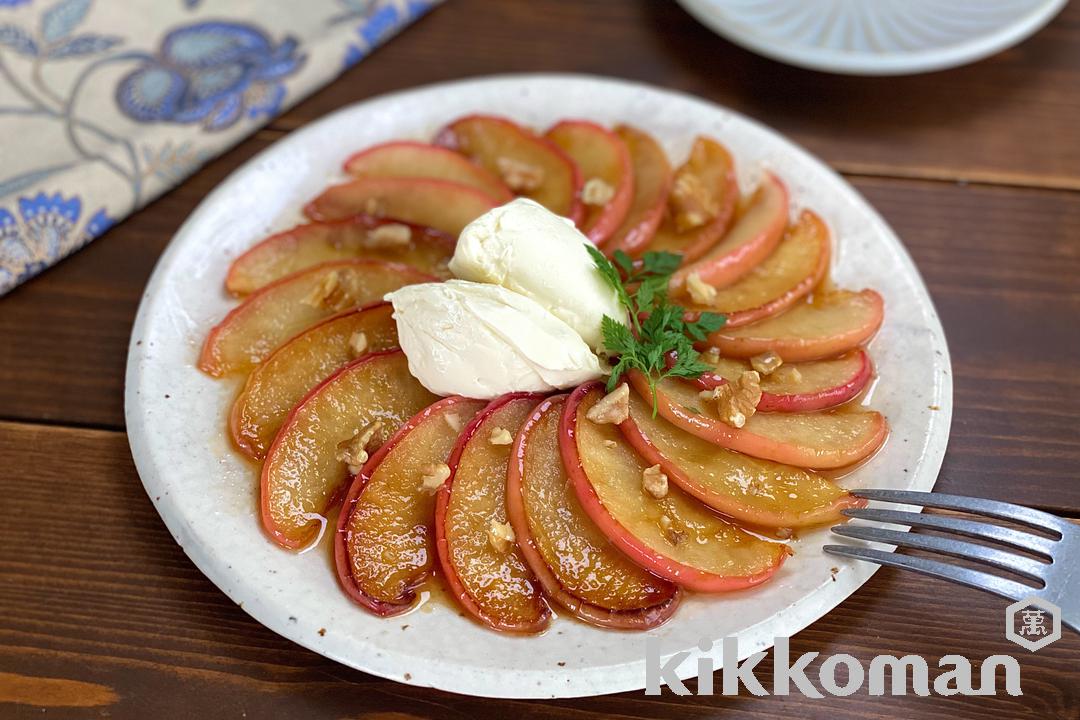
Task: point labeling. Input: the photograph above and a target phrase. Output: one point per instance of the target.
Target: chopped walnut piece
(500, 535)
(354, 451)
(737, 401)
(434, 476)
(700, 291)
(519, 176)
(610, 444)
(613, 408)
(767, 362)
(711, 355)
(358, 343)
(500, 436)
(454, 421)
(596, 192)
(654, 482)
(390, 235)
(692, 203)
(325, 293)
(668, 526)
(788, 373)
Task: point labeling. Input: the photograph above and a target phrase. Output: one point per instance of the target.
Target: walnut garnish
(737, 401)
(434, 476)
(500, 535)
(789, 373)
(700, 291)
(672, 535)
(611, 409)
(692, 204)
(519, 176)
(711, 355)
(390, 235)
(610, 444)
(654, 482)
(358, 343)
(354, 451)
(500, 436)
(326, 293)
(767, 362)
(596, 192)
(454, 421)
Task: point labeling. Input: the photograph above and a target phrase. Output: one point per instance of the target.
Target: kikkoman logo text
(910, 673)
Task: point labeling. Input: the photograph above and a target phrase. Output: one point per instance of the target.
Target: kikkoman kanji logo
(1033, 623)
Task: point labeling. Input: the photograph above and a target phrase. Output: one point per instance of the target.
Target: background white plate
(875, 37)
(207, 495)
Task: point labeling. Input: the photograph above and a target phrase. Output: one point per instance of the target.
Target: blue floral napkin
(105, 104)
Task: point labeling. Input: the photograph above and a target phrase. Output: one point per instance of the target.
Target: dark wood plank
(1009, 119)
(1000, 263)
(105, 617)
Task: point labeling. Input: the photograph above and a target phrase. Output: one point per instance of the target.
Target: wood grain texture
(95, 590)
(1010, 119)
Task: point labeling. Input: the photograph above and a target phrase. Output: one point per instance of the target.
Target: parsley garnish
(657, 328)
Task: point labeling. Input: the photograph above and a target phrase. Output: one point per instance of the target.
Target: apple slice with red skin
(602, 155)
(497, 143)
(495, 587)
(820, 440)
(652, 183)
(405, 158)
(835, 322)
(438, 204)
(821, 384)
(747, 489)
(282, 309)
(576, 564)
(694, 547)
(384, 546)
(711, 167)
(749, 241)
(277, 384)
(307, 245)
(302, 476)
(789, 274)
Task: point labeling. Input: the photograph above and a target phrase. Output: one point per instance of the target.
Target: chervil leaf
(618, 340)
(661, 263)
(625, 262)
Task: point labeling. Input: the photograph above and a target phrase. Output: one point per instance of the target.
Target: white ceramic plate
(207, 495)
(875, 37)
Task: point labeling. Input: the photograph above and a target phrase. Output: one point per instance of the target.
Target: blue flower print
(212, 73)
(12, 3)
(44, 232)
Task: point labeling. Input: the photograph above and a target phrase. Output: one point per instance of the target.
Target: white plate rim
(443, 675)
(878, 64)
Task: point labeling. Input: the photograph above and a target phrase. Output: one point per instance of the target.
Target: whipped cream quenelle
(524, 247)
(481, 341)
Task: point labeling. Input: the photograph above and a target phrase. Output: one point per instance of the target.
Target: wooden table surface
(978, 170)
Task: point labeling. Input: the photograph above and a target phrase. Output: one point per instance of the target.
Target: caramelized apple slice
(831, 325)
(276, 385)
(749, 490)
(800, 387)
(303, 475)
(652, 181)
(575, 563)
(675, 536)
(701, 204)
(384, 546)
(527, 163)
(477, 553)
(438, 204)
(829, 439)
(275, 313)
(420, 160)
(794, 269)
(360, 236)
(605, 167)
(753, 236)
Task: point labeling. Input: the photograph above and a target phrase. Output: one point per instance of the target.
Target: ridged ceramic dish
(206, 494)
(875, 37)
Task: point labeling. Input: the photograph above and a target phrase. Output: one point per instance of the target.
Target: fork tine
(957, 548)
(977, 506)
(972, 578)
(961, 526)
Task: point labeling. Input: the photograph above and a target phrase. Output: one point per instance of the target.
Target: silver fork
(1056, 576)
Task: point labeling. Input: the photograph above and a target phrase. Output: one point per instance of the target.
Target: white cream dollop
(524, 247)
(481, 341)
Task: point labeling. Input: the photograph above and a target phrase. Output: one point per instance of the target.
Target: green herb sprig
(657, 327)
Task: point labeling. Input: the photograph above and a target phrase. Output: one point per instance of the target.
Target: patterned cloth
(105, 104)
